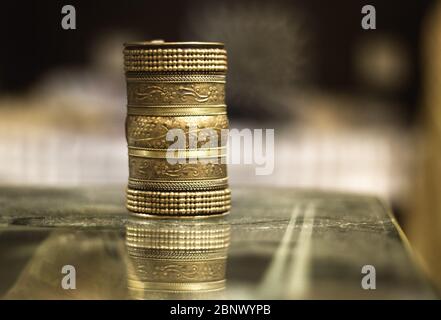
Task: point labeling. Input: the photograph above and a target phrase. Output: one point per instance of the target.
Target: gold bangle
(175, 86)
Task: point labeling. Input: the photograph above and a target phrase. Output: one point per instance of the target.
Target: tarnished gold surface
(162, 58)
(211, 207)
(169, 260)
(151, 132)
(168, 93)
(158, 169)
(176, 86)
(179, 203)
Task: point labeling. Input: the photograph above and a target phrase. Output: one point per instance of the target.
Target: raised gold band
(197, 61)
(178, 195)
(179, 203)
(177, 153)
(178, 185)
(163, 52)
(178, 207)
(177, 111)
(177, 68)
(150, 55)
(197, 202)
(176, 203)
(180, 212)
(172, 78)
(170, 93)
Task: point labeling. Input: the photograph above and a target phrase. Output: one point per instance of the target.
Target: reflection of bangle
(177, 239)
(157, 60)
(176, 259)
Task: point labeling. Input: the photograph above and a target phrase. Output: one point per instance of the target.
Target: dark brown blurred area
(353, 110)
(327, 34)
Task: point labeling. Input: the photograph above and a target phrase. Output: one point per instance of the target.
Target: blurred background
(353, 110)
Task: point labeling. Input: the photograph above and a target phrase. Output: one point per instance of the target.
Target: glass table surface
(81, 243)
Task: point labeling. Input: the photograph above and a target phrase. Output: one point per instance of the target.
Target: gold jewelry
(176, 86)
(140, 57)
(173, 260)
(151, 131)
(140, 93)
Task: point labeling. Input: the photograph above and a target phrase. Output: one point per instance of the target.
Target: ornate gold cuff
(176, 86)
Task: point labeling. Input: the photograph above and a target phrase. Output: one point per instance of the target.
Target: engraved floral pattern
(151, 169)
(140, 93)
(151, 132)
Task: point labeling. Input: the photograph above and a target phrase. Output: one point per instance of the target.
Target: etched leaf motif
(149, 92)
(179, 271)
(158, 168)
(176, 93)
(187, 170)
(177, 170)
(187, 271)
(150, 132)
(185, 92)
